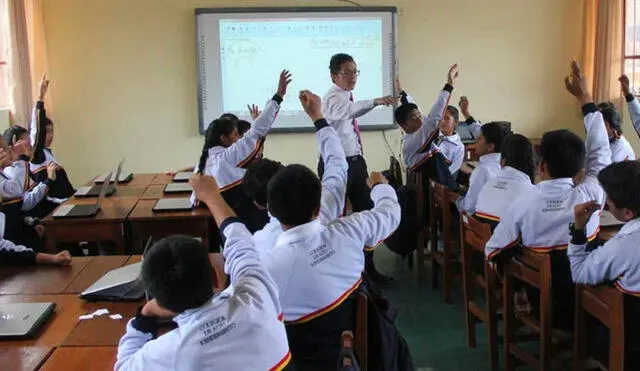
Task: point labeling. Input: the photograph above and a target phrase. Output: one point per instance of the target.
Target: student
(632, 104)
(41, 137)
(237, 329)
(474, 126)
(515, 179)
(317, 266)
(243, 127)
(620, 147)
(342, 111)
(539, 220)
(226, 155)
(334, 186)
(426, 135)
(488, 147)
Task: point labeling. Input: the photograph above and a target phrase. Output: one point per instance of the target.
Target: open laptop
(94, 190)
(178, 188)
(23, 320)
(173, 204)
(82, 211)
(182, 176)
(119, 177)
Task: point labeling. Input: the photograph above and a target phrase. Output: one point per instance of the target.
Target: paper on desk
(100, 312)
(86, 316)
(115, 316)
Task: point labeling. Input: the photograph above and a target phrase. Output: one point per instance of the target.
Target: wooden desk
(162, 179)
(108, 225)
(23, 358)
(58, 327)
(40, 279)
(156, 192)
(79, 358)
(102, 331)
(144, 222)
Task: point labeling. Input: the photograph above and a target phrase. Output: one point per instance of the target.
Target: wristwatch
(578, 236)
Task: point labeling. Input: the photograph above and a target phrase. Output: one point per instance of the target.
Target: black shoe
(378, 277)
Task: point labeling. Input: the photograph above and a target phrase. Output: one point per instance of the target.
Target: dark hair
(517, 152)
(229, 116)
(293, 195)
(216, 129)
(563, 152)
(243, 126)
(257, 177)
(611, 115)
(402, 113)
(47, 122)
(177, 272)
(621, 182)
(495, 133)
(12, 134)
(454, 112)
(337, 61)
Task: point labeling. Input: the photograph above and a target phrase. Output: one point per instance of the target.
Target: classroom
(319, 185)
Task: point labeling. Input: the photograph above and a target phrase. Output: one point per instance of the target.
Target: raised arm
(632, 103)
(373, 226)
(334, 179)
(474, 125)
(37, 132)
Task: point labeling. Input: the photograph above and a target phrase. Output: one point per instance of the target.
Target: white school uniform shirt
(226, 163)
(499, 193)
(541, 218)
(341, 111)
(621, 150)
(238, 329)
(334, 189)
(617, 260)
(316, 267)
(487, 169)
(414, 149)
(31, 193)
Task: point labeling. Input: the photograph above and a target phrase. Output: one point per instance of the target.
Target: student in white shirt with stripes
(341, 111)
(238, 329)
(317, 266)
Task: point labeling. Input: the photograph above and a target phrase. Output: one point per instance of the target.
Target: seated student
(317, 266)
(225, 156)
(474, 126)
(13, 254)
(334, 186)
(618, 260)
(237, 329)
(515, 179)
(243, 127)
(41, 136)
(488, 148)
(426, 135)
(538, 220)
(620, 147)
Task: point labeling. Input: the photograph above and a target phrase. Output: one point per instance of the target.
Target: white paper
(86, 316)
(100, 312)
(115, 316)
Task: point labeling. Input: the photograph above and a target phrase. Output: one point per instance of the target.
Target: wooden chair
(533, 269)
(361, 334)
(440, 208)
(473, 238)
(606, 304)
(415, 180)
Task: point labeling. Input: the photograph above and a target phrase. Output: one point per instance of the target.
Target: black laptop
(82, 211)
(94, 190)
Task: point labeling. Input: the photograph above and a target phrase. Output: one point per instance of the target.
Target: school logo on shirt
(553, 205)
(214, 329)
(320, 254)
(501, 185)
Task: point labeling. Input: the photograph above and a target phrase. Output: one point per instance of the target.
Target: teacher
(341, 111)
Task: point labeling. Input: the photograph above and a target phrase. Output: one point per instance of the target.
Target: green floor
(434, 330)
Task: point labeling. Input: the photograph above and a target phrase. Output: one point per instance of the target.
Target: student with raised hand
(341, 112)
(539, 219)
(334, 179)
(618, 260)
(318, 265)
(427, 135)
(41, 138)
(474, 126)
(489, 148)
(225, 156)
(237, 329)
(516, 178)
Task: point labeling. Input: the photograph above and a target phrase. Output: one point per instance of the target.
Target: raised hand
(311, 104)
(464, 106)
(205, 187)
(452, 75)
(44, 87)
(582, 213)
(285, 80)
(254, 111)
(376, 178)
(625, 85)
(576, 84)
(52, 171)
(21, 148)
